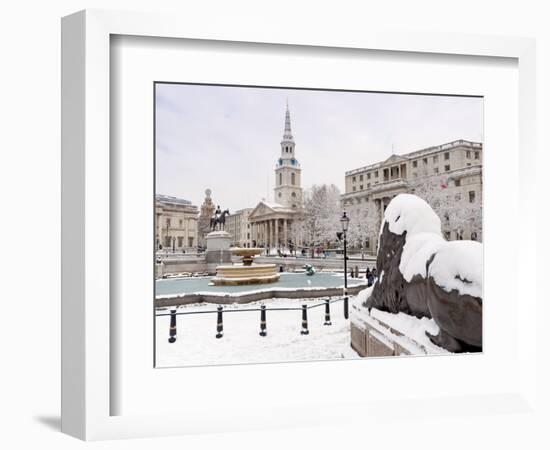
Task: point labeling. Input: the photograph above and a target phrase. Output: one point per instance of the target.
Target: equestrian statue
(218, 219)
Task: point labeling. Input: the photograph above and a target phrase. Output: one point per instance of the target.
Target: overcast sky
(228, 138)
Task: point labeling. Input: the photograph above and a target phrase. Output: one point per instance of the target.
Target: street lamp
(344, 220)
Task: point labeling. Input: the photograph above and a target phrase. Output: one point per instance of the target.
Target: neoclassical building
(270, 222)
(238, 226)
(176, 224)
(450, 172)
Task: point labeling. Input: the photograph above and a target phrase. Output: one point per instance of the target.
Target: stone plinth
(217, 250)
(377, 339)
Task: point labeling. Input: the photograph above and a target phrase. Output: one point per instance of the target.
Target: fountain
(245, 272)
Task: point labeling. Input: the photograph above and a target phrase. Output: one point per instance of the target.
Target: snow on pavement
(197, 345)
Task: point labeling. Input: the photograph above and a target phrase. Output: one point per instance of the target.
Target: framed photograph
(294, 253)
(264, 215)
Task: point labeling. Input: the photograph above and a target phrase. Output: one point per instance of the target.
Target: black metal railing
(220, 311)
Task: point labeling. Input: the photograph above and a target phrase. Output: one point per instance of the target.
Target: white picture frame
(87, 324)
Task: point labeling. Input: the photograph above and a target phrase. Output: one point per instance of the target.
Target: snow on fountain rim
(456, 265)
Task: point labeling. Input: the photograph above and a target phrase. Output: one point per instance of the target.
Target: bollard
(262, 321)
(172, 330)
(346, 308)
(327, 312)
(304, 320)
(219, 326)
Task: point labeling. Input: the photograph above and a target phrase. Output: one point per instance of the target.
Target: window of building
(293, 178)
(415, 163)
(368, 176)
(280, 195)
(181, 224)
(436, 158)
(446, 156)
(457, 182)
(361, 187)
(360, 177)
(468, 154)
(353, 179)
(167, 241)
(280, 179)
(190, 242)
(472, 196)
(436, 169)
(180, 241)
(368, 185)
(468, 164)
(447, 168)
(425, 161)
(354, 188)
(376, 174)
(476, 155)
(294, 195)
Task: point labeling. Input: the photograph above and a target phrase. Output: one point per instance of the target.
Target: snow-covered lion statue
(422, 274)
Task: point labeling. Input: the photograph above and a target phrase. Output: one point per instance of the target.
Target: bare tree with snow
(458, 215)
(320, 221)
(363, 225)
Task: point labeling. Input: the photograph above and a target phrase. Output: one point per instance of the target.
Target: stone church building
(270, 222)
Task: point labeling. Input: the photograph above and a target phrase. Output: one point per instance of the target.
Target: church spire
(287, 136)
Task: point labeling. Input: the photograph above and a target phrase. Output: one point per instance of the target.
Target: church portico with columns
(270, 225)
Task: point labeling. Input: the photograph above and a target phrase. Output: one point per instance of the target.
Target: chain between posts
(220, 311)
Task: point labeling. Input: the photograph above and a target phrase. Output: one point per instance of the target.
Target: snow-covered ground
(196, 343)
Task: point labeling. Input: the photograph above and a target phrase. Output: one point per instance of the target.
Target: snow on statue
(426, 276)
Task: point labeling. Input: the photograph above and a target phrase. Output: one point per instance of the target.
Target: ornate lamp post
(345, 223)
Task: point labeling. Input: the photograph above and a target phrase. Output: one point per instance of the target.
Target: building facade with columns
(176, 224)
(447, 176)
(238, 226)
(270, 222)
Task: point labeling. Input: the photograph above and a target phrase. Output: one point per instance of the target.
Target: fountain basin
(246, 272)
(243, 274)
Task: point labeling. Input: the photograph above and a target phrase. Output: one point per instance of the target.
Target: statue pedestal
(217, 250)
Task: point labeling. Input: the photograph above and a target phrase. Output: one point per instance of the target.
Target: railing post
(172, 330)
(304, 320)
(346, 308)
(262, 321)
(219, 326)
(327, 312)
